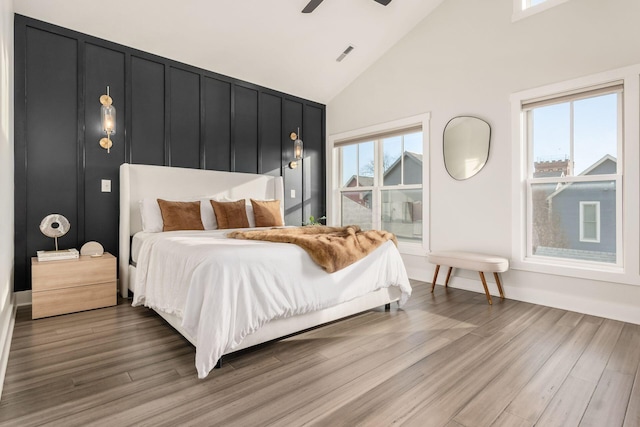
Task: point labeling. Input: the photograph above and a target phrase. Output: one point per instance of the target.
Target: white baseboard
(7, 321)
(23, 298)
(577, 303)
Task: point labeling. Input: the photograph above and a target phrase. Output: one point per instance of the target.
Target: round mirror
(466, 146)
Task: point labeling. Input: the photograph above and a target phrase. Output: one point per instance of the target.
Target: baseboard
(564, 301)
(7, 321)
(23, 298)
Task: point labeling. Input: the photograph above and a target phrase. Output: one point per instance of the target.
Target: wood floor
(447, 359)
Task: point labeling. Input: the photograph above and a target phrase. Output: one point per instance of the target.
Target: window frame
(521, 10)
(583, 204)
(627, 270)
(572, 96)
(334, 172)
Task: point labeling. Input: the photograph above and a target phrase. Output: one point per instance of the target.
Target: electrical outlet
(293, 194)
(106, 186)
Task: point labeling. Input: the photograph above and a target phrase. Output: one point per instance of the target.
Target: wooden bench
(470, 261)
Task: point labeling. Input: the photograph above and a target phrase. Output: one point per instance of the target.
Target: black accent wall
(168, 113)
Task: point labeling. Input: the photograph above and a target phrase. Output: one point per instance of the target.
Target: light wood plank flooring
(447, 359)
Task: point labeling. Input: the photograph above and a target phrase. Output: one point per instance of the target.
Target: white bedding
(224, 289)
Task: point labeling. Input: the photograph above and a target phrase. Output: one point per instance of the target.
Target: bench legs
(499, 285)
(486, 289)
(482, 278)
(446, 282)
(435, 277)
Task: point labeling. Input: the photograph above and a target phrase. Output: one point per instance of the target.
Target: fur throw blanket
(333, 248)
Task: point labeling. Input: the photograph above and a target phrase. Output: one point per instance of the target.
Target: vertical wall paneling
(20, 279)
(217, 125)
(80, 171)
(128, 117)
(147, 112)
(185, 119)
(271, 134)
(168, 113)
(313, 164)
(246, 129)
(202, 116)
(292, 120)
(103, 67)
(51, 138)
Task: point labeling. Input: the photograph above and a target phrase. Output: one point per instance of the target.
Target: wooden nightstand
(67, 286)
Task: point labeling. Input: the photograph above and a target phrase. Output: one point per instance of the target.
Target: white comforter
(224, 289)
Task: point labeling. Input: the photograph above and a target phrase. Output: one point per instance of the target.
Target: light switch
(293, 194)
(106, 186)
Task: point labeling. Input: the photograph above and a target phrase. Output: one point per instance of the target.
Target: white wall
(6, 182)
(467, 57)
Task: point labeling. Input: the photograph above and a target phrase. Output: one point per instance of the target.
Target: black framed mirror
(466, 143)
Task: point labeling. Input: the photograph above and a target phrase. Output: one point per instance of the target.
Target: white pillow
(151, 215)
(207, 215)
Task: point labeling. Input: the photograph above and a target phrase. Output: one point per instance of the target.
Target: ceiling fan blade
(310, 7)
(383, 2)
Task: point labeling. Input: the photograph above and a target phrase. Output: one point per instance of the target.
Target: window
(378, 180)
(573, 145)
(572, 176)
(590, 222)
(393, 176)
(578, 141)
(524, 8)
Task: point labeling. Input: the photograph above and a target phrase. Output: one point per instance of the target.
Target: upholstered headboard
(138, 182)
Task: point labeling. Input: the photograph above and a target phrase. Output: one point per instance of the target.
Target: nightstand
(67, 286)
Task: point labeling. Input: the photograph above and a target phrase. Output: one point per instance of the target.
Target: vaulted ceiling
(267, 42)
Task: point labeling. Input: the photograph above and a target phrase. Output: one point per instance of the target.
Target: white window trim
(333, 175)
(521, 12)
(585, 239)
(627, 205)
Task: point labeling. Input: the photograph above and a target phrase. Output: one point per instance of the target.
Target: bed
(185, 276)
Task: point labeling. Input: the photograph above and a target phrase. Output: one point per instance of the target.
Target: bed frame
(144, 181)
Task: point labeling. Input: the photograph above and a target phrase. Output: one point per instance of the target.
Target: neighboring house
(412, 170)
(393, 176)
(400, 214)
(364, 197)
(404, 210)
(592, 206)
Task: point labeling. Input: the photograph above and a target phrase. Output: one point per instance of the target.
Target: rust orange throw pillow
(230, 214)
(180, 215)
(267, 213)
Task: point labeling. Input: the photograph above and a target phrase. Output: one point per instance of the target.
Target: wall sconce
(297, 149)
(108, 120)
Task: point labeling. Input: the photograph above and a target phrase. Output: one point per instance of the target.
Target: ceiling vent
(346, 52)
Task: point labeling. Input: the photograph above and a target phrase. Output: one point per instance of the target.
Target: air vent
(346, 52)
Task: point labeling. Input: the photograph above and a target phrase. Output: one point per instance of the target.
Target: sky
(595, 131)
(359, 157)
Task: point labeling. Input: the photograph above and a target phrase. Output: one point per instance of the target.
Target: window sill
(602, 273)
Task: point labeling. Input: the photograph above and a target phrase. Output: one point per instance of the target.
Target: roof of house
(587, 171)
(416, 156)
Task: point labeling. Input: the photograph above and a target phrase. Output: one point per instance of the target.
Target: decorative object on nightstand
(67, 286)
(93, 249)
(54, 226)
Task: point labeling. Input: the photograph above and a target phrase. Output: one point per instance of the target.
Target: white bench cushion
(469, 261)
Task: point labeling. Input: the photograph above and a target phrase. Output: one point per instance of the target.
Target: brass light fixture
(297, 149)
(108, 120)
